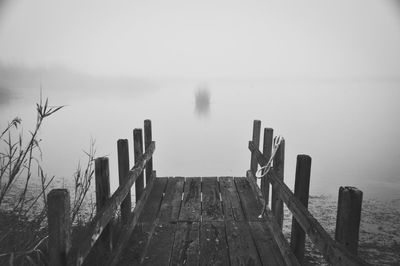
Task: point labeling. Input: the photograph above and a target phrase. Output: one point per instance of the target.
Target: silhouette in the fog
(202, 101)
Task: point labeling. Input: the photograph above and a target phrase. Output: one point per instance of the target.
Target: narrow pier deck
(201, 221)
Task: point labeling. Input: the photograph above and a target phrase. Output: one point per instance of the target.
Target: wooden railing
(106, 206)
(342, 250)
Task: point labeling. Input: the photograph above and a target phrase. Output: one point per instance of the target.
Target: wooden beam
(102, 176)
(137, 152)
(59, 226)
(333, 252)
(127, 228)
(267, 150)
(256, 141)
(148, 138)
(301, 191)
(103, 217)
(276, 201)
(123, 170)
(348, 217)
(273, 226)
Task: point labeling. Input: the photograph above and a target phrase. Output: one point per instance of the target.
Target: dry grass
(23, 223)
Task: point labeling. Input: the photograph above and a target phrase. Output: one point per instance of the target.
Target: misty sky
(207, 38)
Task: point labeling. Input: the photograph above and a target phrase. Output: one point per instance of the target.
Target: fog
(324, 74)
(286, 39)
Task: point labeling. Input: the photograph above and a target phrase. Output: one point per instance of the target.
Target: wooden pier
(202, 220)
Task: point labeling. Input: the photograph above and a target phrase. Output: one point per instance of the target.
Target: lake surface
(350, 129)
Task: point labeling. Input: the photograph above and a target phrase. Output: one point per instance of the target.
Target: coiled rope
(263, 171)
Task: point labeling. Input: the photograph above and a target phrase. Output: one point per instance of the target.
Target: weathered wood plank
(348, 218)
(213, 246)
(267, 150)
(230, 200)
(211, 209)
(171, 204)
(123, 170)
(266, 245)
(153, 203)
(59, 221)
(276, 201)
(242, 250)
(137, 152)
(251, 206)
(191, 204)
(301, 191)
(136, 245)
(102, 218)
(256, 141)
(187, 244)
(158, 251)
(102, 177)
(133, 220)
(333, 252)
(147, 141)
(269, 220)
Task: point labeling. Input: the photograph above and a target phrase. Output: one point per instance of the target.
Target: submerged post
(123, 170)
(301, 191)
(256, 142)
(348, 217)
(147, 141)
(59, 224)
(138, 151)
(102, 176)
(267, 149)
(276, 201)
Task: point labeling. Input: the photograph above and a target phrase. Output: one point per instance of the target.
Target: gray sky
(207, 38)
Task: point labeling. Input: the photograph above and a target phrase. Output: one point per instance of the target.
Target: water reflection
(202, 102)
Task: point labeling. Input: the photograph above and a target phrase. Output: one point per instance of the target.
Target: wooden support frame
(333, 252)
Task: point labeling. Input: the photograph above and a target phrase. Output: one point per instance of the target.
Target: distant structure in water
(202, 101)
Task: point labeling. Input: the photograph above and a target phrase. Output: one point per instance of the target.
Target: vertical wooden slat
(301, 191)
(59, 226)
(256, 141)
(147, 140)
(138, 151)
(102, 176)
(276, 202)
(123, 170)
(348, 217)
(267, 149)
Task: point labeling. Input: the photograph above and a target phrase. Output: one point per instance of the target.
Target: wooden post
(123, 170)
(147, 140)
(301, 191)
(59, 223)
(256, 141)
(267, 149)
(102, 176)
(276, 201)
(348, 217)
(138, 151)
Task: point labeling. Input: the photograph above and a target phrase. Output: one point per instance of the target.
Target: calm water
(350, 129)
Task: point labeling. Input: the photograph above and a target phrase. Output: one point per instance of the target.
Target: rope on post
(263, 171)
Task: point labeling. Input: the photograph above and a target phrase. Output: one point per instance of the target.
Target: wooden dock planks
(202, 221)
(213, 245)
(242, 250)
(187, 244)
(211, 209)
(251, 207)
(230, 200)
(171, 204)
(158, 251)
(191, 204)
